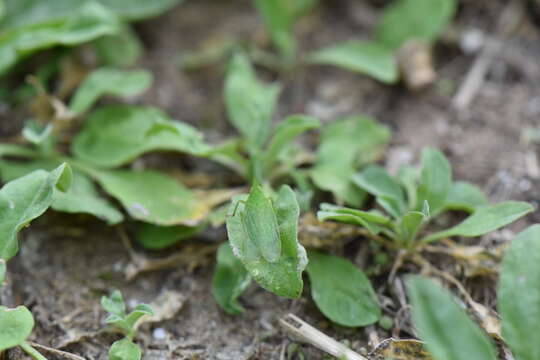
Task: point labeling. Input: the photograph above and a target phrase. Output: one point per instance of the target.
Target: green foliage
(155, 237)
(281, 274)
(448, 332)
(411, 201)
(118, 318)
(519, 294)
(368, 58)
(124, 349)
(229, 281)
(120, 49)
(413, 19)
(341, 291)
(109, 81)
(2, 271)
(25, 199)
(15, 326)
(345, 146)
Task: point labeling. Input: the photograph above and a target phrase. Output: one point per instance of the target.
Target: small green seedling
(451, 335)
(413, 198)
(124, 349)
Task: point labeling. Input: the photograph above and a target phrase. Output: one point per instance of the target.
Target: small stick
(305, 332)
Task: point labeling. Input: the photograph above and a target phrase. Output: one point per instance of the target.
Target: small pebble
(159, 334)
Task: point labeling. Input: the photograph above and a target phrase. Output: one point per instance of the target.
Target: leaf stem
(31, 351)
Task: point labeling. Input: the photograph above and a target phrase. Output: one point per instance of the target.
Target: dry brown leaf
(393, 349)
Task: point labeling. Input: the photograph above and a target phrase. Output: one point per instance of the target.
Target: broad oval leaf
(345, 146)
(413, 19)
(155, 237)
(124, 349)
(24, 199)
(485, 219)
(368, 58)
(103, 140)
(229, 281)
(435, 180)
(284, 276)
(249, 102)
(518, 299)
(465, 196)
(17, 324)
(448, 332)
(108, 81)
(341, 291)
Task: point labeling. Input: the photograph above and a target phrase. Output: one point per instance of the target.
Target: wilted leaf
(85, 22)
(124, 349)
(345, 146)
(229, 281)
(465, 196)
(115, 135)
(23, 200)
(108, 81)
(17, 324)
(414, 19)
(393, 349)
(341, 291)
(284, 276)
(448, 332)
(249, 102)
(519, 294)
(435, 180)
(368, 58)
(485, 219)
(155, 237)
(387, 191)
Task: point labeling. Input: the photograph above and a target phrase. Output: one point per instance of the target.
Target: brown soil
(68, 262)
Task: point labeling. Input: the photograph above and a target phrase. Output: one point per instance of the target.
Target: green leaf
(121, 49)
(435, 180)
(485, 219)
(519, 294)
(414, 19)
(23, 200)
(345, 146)
(124, 349)
(103, 139)
(249, 102)
(284, 276)
(229, 281)
(137, 313)
(82, 196)
(37, 133)
(368, 58)
(114, 304)
(85, 23)
(156, 237)
(341, 291)
(153, 197)
(448, 332)
(109, 81)
(16, 326)
(2, 271)
(464, 196)
(285, 132)
(279, 21)
(387, 191)
(372, 221)
(410, 224)
(408, 177)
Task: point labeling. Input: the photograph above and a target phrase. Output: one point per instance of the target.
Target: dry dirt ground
(68, 262)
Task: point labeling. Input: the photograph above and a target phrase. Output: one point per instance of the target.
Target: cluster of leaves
(401, 21)
(451, 335)
(124, 349)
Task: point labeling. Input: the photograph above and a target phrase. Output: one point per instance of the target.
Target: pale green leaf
(156, 237)
(465, 196)
(368, 58)
(435, 180)
(279, 21)
(345, 146)
(387, 191)
(410, 224)
(114, 304)
(121, 49)
(414, 19)
(15, 326)
(249, 102)
(229, 281)
(284, 276)
(2, 271)
(23, 200)
(124, 349)
(115, 135)
(108, 81)
(341, 291)
(485, 219)
(372, 221)
(448, 332)
(137, 313)
(519, 294)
